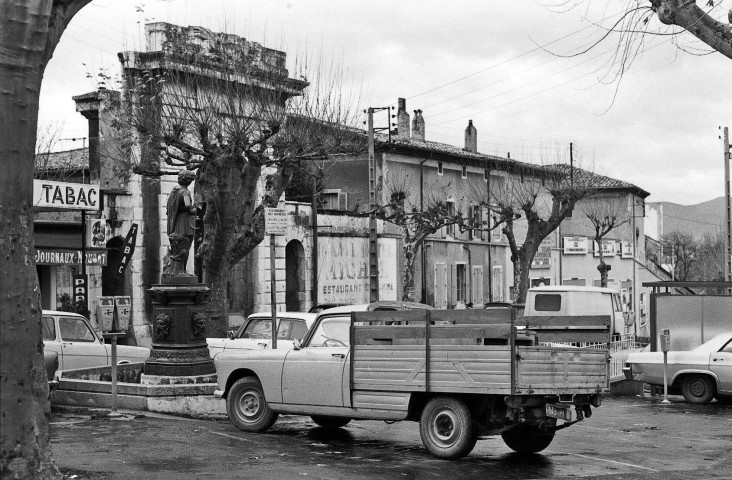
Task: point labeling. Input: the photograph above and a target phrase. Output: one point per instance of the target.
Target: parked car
(699, 374)
(50, 361)
(256, 332)
(77, 345)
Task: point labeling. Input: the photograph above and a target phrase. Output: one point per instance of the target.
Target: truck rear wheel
(447, 429)
(527, 439)
(330, 422)
(247, 408)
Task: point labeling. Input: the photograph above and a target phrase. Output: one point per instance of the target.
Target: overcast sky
(457, 61)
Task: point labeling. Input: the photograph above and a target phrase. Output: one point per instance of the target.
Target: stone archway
(295, 271)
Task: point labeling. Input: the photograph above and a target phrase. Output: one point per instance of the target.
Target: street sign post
(275, 224)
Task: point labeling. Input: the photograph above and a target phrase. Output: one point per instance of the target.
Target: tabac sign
(69, 196)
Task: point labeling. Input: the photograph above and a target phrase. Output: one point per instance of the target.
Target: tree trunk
(687, 15)
(29, 34)
(218, 306)
(408, 281)
(603, 268)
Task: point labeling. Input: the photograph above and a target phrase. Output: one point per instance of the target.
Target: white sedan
(72, 337)
(256, 332)
(699, 374)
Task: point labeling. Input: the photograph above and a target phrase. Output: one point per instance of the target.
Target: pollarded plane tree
(527, 203)
(419, 215)
(245, 130)
(605, 213)
(29, 35)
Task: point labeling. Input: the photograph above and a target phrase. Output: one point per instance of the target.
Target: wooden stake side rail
(467, 351)
(575, 329)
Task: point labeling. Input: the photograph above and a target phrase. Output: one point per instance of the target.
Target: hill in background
(706, 218)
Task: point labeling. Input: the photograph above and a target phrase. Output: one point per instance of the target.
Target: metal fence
(618, 349)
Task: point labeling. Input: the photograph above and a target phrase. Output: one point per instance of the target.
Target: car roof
(66, 314)
(571, 288)
(387, 304)
(715, 343)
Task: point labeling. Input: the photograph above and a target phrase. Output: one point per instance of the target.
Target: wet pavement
(627, 438)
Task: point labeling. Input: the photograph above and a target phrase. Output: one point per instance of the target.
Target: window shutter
(342, 201)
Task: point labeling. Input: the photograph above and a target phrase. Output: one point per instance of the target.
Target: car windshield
(332, 332)
(287, 329)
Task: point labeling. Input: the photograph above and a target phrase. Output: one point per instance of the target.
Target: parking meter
(665, 347)
(665, 340)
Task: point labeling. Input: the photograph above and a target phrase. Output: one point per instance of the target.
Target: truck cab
(573, 301)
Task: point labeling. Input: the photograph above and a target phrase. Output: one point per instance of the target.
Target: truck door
(314, 375)
(720, 363)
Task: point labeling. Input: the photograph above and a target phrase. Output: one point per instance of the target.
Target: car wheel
(698, 389)
(447, 429)
(247, 408)
(527, 439)
(330, 422)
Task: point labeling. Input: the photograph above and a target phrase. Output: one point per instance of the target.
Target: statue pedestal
(179, 328)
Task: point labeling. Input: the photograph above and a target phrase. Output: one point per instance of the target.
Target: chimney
(418, 126)
(471, 138)
(402, 121)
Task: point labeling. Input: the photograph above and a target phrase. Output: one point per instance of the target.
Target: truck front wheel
(247, 408)
(447, 429)
(527, 439)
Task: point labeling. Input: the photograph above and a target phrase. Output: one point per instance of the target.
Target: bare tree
(605, 214)
(709, 265)
(31, 30)
(245, 129)
(541, 198)
(680, 250)
(629, 28)
(417, 218)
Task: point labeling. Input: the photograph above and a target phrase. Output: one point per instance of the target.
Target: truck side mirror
(297, 343)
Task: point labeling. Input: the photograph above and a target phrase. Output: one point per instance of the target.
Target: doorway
(294, 276)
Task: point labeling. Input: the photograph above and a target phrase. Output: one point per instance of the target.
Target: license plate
(561, 412)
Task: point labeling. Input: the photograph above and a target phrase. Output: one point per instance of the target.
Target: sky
(505, 65)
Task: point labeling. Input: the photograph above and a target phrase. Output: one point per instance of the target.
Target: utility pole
(728, 211)
(373, 234)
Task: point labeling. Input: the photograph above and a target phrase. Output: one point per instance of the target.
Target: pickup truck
(462, 375)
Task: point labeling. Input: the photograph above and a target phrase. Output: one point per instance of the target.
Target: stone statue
(181, 225)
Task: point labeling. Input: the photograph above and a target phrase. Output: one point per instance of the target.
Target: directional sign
(275, 221)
